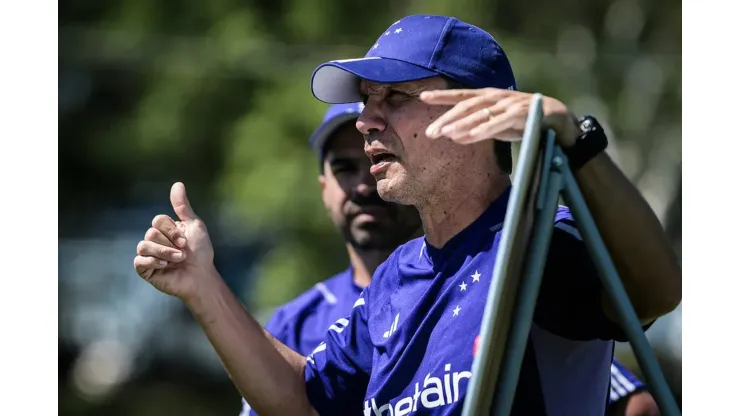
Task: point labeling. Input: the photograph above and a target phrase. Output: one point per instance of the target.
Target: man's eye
(397, 97)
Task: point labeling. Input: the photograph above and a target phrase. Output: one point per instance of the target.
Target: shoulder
(623, 381)
(626, 390)
(409, 252)
(388, 273)
(311, 301)
(336, 288)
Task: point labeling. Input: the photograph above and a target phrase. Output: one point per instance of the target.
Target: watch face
(587, 124)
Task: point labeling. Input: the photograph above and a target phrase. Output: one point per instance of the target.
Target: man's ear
(322, 182)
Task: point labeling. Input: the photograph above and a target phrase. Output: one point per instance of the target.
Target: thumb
(180, 203)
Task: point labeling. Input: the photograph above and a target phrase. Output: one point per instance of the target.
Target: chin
(363, 239)
(367, 241)
(389, 190)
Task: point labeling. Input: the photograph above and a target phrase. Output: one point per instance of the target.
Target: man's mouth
(380, 157)
(373, 210)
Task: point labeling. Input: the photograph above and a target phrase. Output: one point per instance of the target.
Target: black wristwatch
(590, 143)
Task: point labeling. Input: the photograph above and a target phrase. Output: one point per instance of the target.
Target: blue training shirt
(623, 383)
(301, 324)
(407, 346)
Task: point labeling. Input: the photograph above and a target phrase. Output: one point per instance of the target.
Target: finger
(156, 236)
(462, 127)
(169, 229)
(454, 96)
(507, 122)
(448, 97)
(145, 266)
(180, 203)
(510, 120)
(150, 248)
(501, 127)
(460, 110)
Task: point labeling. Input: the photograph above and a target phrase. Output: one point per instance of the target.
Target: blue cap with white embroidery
(335, 116)
(418, 47)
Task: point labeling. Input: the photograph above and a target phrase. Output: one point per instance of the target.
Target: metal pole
(617, 295)
(529, 290)
(506, 274)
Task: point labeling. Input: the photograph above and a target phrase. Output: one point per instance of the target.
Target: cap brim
(326, 129)
(338, 82)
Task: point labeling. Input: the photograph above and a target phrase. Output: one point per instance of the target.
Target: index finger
(167, 226)
(447, 97)
(452, 97)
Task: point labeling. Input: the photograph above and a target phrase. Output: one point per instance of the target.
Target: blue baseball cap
(335, 116)
(418, 47)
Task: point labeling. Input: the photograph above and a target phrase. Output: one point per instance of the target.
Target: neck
(461, 204)
(364, 263)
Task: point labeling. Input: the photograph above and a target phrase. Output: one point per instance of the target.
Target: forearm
(267, 374)
(639, 247)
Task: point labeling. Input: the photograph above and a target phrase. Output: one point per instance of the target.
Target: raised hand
(490, 113)
(175, 255)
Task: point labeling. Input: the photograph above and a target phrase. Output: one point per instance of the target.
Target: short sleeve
(570, 299)
(246, 409)
(338, 370)
(623, 383)
(276, 325)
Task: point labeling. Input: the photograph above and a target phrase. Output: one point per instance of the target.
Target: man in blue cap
(406, 347)
(348, 190)
(370, 227)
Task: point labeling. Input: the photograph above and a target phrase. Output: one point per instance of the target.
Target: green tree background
(216, 94)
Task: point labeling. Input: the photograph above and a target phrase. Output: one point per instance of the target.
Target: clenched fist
(176, 255)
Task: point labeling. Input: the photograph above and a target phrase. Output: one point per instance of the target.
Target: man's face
(350, 195)
(407, 165)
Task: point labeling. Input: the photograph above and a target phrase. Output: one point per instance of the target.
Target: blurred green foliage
(216, 94)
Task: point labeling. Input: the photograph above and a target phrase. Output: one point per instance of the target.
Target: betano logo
(435, 393)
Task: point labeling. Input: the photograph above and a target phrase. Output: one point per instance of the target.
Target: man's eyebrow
(409, 88)
(413, 90)
(374, 89)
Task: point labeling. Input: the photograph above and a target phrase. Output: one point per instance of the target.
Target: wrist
(209, 287)
(570, 133)
(590, 142)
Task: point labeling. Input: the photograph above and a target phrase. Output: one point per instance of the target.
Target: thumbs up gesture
(174, 253)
